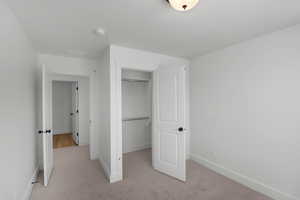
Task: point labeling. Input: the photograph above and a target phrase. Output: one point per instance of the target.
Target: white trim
(126, 58)
(115, 178)
(28, 190)
(105, 168)
(137, 148)
(116, 122)
(242, 179)
(79, 79)
(111, 177)
(72, 66)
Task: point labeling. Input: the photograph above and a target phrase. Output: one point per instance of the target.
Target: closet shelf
(135, 80)
(134, 119)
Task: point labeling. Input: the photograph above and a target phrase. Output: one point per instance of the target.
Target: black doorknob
(180, 129)
(48, 131)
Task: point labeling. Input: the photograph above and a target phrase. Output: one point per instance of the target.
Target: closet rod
(135, 80)
(134, 119)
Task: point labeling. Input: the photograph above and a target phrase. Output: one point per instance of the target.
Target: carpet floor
(75, 177)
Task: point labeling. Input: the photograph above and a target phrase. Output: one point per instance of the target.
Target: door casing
(116, 163)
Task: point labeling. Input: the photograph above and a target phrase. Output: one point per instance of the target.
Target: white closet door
(169, 121)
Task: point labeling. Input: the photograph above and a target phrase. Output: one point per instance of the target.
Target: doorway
(65, 116)
(136, 118)
(73, 105)
(78, 103)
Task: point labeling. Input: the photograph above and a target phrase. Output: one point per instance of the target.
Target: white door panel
(169, 121)
(168, 110)
(168, 139)
(47, 126)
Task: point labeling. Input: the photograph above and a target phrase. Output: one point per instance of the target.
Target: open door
(168, 148)
(75, 113)
(47, 136)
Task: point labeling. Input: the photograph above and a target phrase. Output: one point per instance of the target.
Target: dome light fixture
(99, 31)
(182, 5)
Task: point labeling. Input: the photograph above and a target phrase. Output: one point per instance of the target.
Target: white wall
(17, 109)
(103, 120)
(136, 101)
(62, 107)
(136, 135)
(126, 58)
(245, 112)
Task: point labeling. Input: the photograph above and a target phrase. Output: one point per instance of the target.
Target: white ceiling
(66, 26)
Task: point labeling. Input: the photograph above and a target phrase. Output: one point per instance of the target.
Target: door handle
(181, 129)
(47, 131)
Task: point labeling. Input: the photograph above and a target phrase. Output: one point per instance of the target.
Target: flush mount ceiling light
(99, 31)
(182, 5)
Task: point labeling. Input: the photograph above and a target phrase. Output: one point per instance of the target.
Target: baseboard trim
(28, 190)
(115, 177)
(111, 177)
(62, 133)
(105, 168)
(137, 148)
(242, 179)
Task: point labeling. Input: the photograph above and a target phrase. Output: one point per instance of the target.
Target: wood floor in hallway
(75, 177)
(63, 140)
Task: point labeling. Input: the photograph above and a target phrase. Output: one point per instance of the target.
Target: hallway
(75, 177)
(63, 140)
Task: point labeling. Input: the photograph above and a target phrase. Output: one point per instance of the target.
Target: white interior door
(168, 148)
(47, 126)
(75, 109)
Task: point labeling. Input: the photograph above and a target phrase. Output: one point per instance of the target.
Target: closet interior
(136, 110)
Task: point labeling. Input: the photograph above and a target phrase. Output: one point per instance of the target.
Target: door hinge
(77, 111)
(77, 134)
(77, 88)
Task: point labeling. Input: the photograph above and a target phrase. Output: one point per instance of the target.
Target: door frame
(75, 115)
(71, 78)
(116, 171)
(72, 81)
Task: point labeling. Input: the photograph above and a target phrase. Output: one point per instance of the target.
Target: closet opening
(136, 121)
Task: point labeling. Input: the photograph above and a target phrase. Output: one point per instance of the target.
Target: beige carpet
(77, 178)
